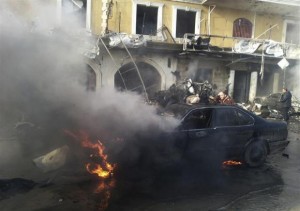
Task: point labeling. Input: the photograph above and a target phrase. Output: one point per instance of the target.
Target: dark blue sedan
(226, 132)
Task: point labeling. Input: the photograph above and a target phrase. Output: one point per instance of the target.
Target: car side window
(231, 117)
(225, 117)
(244, 119)
(198, 119)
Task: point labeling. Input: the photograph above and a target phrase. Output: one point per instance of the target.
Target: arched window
(242, 28)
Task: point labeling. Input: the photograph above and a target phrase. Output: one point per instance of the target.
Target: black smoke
(43, 93)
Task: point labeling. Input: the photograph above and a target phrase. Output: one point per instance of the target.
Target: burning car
(227, 133)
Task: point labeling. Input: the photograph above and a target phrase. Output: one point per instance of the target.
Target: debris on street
(52, 160)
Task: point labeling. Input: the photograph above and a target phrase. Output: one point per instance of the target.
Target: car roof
(180, 109)
(199, 105)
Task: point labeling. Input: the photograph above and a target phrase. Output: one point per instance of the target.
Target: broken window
(146, 19)
(185, 22)
(224, 117)
(242, 27)
(198, 119)
(292, 33)
(231, 117)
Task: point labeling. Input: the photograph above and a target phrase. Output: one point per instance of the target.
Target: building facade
(245, 40)
(148, 45)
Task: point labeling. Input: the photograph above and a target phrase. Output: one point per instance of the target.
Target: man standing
(286, 102)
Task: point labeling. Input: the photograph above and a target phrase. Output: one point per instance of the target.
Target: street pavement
(273, 186)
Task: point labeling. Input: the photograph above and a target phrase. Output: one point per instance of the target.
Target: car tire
(255, 154)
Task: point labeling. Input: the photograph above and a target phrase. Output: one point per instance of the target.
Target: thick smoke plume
(293, 79)
(42, 82)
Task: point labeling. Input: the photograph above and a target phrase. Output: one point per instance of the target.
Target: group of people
(221, 98)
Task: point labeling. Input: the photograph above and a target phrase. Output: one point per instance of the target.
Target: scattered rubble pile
(185, 91)
(191, 92)
(270, 107)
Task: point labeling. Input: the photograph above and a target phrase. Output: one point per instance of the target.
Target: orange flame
(104, 188)
(104, 169)
(231, 163)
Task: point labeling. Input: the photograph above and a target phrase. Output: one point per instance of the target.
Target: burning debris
(99, 166)
(231, 163)
(107, 169)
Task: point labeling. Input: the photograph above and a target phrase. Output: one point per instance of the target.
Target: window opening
(242, 27)
(146, 19)
(185, 22)
(292, 33)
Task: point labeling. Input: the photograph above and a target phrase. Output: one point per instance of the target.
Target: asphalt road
(274, 186)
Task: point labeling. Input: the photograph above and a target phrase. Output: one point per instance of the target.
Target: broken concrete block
(52, 160)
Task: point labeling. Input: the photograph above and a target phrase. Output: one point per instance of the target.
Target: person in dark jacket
(286, 103)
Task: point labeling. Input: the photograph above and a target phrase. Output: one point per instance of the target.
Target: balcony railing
(204, 42)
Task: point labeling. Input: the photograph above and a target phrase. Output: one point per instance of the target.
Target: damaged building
(251, 47)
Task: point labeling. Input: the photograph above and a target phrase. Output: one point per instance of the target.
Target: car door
(233, 128)
(197, 125)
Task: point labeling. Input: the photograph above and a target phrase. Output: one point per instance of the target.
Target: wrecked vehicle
(226, 133)
(271, 106)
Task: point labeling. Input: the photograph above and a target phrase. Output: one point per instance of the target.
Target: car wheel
(256, 154)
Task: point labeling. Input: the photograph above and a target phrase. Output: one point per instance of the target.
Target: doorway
(241, 86)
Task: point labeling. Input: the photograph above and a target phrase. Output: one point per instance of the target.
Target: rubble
(10, 187)
(52, 160)
(186, 91)
(131, 41)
